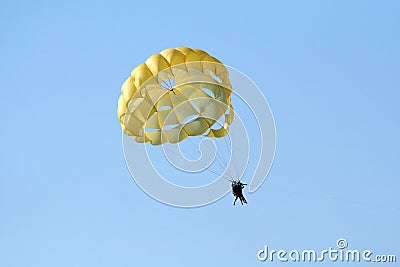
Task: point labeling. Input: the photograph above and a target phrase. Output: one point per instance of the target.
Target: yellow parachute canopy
(177, 93)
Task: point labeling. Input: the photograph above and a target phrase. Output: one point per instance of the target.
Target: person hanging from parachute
(237, 188)
(200, 103)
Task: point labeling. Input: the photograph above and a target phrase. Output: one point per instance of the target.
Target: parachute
(178, 93)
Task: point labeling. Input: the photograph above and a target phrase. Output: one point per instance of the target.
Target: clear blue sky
(329, 69)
